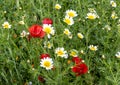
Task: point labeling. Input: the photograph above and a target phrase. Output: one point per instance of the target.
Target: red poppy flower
(41, 79)
(36, 31)
(47, 21)
(77, 60)
(80, 69)
(44, 56)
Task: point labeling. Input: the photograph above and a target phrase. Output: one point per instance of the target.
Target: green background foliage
(18, 71)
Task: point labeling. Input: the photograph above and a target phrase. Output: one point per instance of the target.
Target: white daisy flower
(93, 48)
(48, 45)
(68, 20)
(61, 52)
(48, 29)
(6, 25)
(113, 4)
(46, 63)
(92, 16)
(114, 15)
(74, 53)
(117, 54)
(24, 33)
(57, 6)
(67, 32)
(71, 13)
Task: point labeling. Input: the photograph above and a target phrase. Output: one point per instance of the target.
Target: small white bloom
(113, 4)
(68, 20)
(46, 63)
(57, 6)
(117, 54)
(48, 45)
(28, 61)
(30, 83)
(6, 25)
(61, 52)
(93, 48)
(67, 32)
(74, 53)
(92, 16)
(71, 13)
(70, 36)
(107, 27)
(103, 56)
(80, 35)
(82, 52)
(21, 22)
(114, 15)
(24, 33)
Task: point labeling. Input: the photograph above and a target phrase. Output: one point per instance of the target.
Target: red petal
(44, 56)
(42, 34)
(47, 21)
(77, 60)
(36, 31)
(41, 79)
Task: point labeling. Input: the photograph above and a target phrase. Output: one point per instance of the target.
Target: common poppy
(80, 69)
(36, 31)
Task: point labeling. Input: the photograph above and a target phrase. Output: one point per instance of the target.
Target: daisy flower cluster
(72, 51)
(70, 14)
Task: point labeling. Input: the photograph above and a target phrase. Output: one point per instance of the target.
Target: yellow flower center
(93, 48)
(49, 45)
(6, 26)
(113, 3)
(66, 32)
(60, 52)
(91, 17)
(47, 63)
(47, 30)
(71, 14)
(67, 21)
